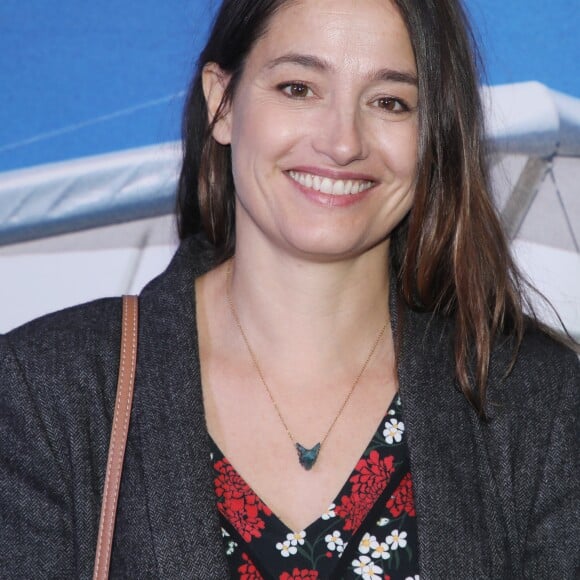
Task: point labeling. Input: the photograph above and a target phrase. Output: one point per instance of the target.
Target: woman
(340, 383)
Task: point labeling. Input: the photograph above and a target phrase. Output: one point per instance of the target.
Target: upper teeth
(330, 186)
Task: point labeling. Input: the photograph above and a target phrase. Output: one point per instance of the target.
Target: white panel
(555, 273)
(42, 276)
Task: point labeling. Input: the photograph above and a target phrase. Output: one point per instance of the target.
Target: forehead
(368, 33)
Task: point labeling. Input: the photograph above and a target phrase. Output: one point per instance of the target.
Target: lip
(326, 199)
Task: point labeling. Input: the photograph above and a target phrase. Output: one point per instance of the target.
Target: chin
(331, 249)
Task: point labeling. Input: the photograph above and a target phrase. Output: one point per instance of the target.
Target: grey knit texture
(494, 500)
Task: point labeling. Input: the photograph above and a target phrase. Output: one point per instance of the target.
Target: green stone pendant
(307, 457)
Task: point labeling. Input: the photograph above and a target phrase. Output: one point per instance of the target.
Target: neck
(311, 315)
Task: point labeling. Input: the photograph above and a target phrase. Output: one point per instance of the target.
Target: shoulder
(80, 333)
(539, 351)
(79, 318)
(543, 372)
(57, 387)
(533, 411)
(62, 368)
(533, 436)
(533, 402)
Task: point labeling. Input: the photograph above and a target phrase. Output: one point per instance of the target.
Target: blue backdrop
(81, 78)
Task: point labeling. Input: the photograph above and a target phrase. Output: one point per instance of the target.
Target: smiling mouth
(330, 186)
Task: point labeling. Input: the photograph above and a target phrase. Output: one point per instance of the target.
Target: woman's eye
(392, 105)
(296, 90)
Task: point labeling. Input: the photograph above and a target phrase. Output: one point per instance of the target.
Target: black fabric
(508, 488)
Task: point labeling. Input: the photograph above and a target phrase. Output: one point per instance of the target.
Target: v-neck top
(368, 532)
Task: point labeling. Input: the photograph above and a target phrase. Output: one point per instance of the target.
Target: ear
(215, 82)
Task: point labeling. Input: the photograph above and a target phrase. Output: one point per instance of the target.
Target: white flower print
(296, 538)
(380, 550)
(397, 539)
(231, 544)
(393, 431)
(334, 542)
(366, 568)
(231, 547)
(286, 548)
(365, 544)
(383, 522)
(391, 412)
(329, 513)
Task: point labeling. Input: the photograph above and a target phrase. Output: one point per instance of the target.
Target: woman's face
(323, 129)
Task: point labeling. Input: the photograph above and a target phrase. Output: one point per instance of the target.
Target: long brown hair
(454, 257)
(450, 254)
(205, 191)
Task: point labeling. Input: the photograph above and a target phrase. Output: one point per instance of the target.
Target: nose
(339, 135)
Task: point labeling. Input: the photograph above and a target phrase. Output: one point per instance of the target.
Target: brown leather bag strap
(118, 440)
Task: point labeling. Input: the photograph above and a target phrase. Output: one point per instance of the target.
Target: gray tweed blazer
(493, 500)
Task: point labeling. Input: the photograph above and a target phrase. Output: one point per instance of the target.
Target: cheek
(397, 146)
(262, 137)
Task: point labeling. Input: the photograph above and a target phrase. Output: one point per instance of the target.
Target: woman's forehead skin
(343, 34)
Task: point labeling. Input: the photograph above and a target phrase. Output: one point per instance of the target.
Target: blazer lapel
(445, 438)
(444, 454)
(171, 426)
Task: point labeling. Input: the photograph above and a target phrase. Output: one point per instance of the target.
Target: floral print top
(368, 532)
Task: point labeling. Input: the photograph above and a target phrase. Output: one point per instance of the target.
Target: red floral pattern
(402, 499)
(298, 574)
(238, 503)
(375, 502)
(247, 570)
(371, 477)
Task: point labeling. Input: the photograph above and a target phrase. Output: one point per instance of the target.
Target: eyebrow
(316, 63)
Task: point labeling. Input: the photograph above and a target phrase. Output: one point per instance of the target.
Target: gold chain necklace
(306, 457)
